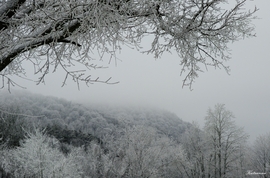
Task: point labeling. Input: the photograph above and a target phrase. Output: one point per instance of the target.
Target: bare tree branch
(199, 31)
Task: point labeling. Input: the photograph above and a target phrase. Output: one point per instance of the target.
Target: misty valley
(45, 136)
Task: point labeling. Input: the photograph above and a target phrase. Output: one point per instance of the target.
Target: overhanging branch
(7, 57)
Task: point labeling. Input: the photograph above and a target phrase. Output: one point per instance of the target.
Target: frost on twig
(63, 33)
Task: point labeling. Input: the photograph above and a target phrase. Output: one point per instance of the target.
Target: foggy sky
(146, 81)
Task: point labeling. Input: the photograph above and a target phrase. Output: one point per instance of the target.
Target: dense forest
(43, 136)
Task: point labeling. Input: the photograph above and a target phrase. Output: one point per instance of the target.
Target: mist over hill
(44, 136)
(97, 120)
(72, 139)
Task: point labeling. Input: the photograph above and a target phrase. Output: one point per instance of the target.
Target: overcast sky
(146, 81)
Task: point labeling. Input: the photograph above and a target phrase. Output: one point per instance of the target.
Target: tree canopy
(64, 33)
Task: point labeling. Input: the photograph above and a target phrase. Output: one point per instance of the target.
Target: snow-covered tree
(39, 156)
(60, 34)
(141, 152)
(220, 150)
(194, 144)
(261, 155)
(225, 141)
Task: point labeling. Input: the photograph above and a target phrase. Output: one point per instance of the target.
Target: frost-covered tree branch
(61, 34)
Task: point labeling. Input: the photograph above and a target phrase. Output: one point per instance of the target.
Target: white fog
(157, 83)
(136, 118)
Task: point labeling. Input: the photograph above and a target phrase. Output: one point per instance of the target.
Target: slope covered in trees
(41, 111)
(124, 139)
(51, 137)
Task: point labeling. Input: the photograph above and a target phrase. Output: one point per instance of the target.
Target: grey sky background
(157, 83)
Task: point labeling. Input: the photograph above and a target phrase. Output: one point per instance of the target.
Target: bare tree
(142, 152)
(261, 156)
(39, 156)
(62, 34)
(194, 144)
(219, 151)
(225, 142)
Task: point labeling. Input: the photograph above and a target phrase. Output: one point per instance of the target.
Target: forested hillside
(29, 120)
(43, 136)
(99, 120)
